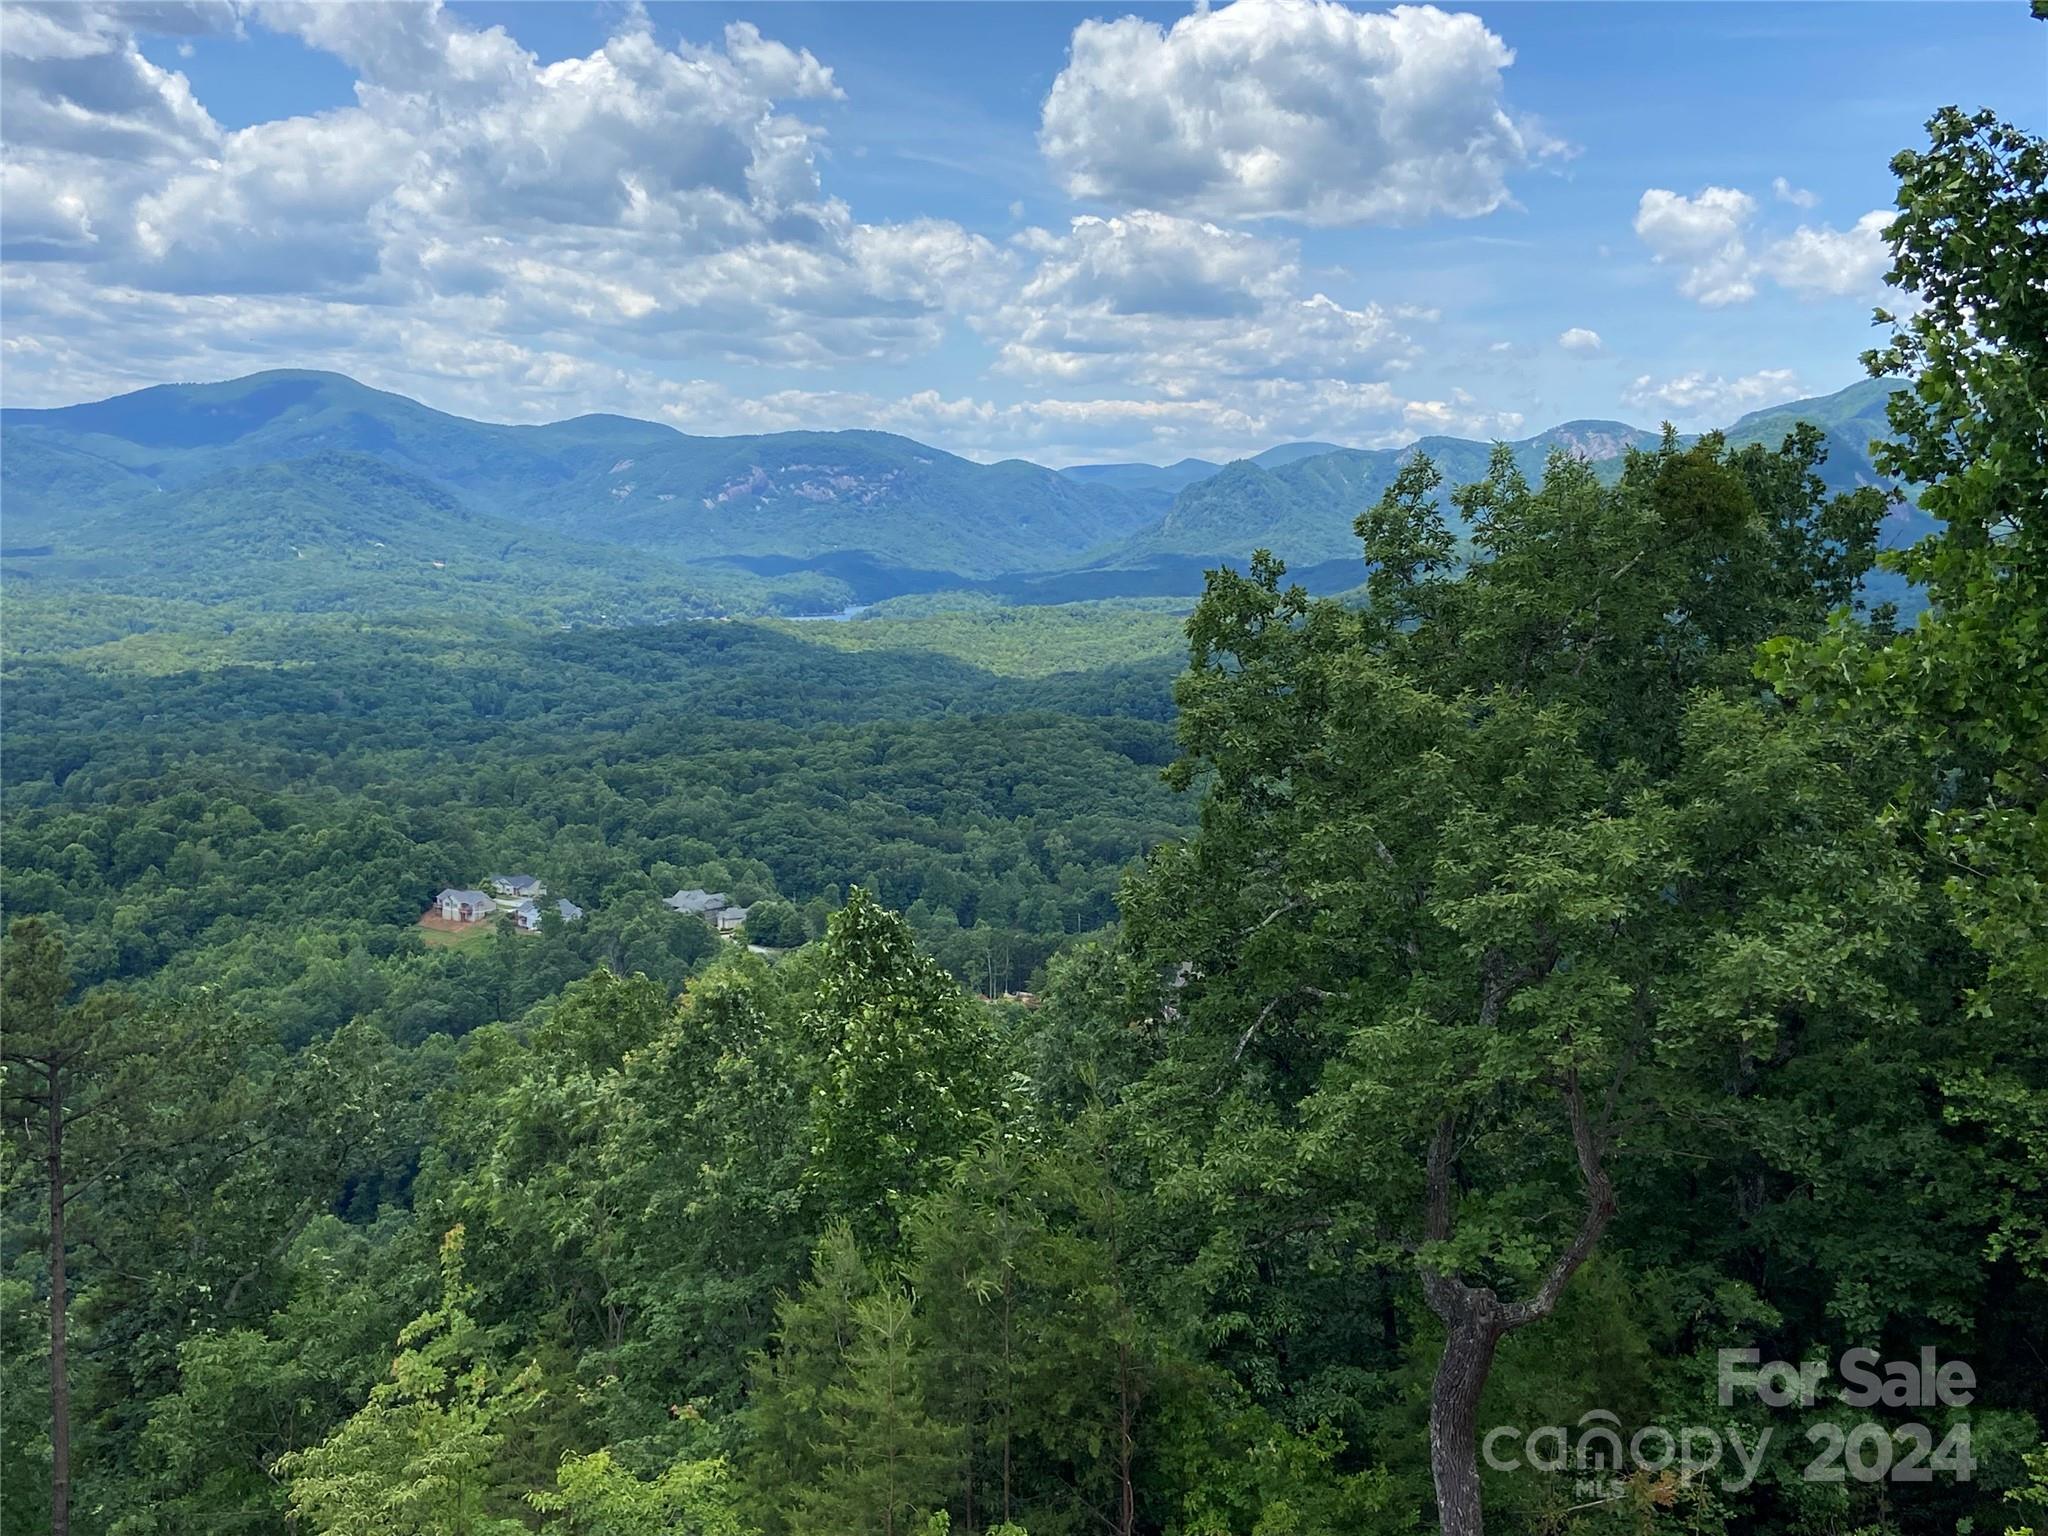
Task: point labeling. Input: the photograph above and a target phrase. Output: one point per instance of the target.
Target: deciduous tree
(1452, 923)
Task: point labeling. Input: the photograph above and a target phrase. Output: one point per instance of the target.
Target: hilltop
(607, 478)
(607, 518)
(344, 531)
(1300, 499)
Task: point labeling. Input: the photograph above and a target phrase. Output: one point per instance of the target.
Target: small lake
(852, 611)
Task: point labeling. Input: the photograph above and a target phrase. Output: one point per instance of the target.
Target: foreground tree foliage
(1970, 682)
(1496, 872)
(416, 1459)
(120, 1120)
(1604, 945)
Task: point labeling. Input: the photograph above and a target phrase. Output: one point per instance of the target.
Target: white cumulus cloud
(648, 229)
(1235, 420)
(1460, 416)
(1297, 108)
(1173, 302)
(78, 85)
(1711, 397)
(1831, 261)
(1580, 340)
(1785, 192)
(644, 199)
(1704, 237)
(70, 339)
(1708, 239)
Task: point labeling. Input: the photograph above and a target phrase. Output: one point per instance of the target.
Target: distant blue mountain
(1301, 499)
(1287, 453)
(1143, 477)
(205, 474)
(598, 477)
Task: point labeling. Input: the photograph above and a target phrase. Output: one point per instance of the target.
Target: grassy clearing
(440, 935)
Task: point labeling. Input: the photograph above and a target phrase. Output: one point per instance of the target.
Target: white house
(510, 890)
(466, 906)
(527, 914)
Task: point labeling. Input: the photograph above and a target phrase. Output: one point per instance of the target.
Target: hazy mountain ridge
(215, 479)
(344, 531)
(1302, 504)
(604, 477)
(1850, 419)
(816, 493)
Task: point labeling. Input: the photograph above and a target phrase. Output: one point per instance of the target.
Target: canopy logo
(1596, 1454)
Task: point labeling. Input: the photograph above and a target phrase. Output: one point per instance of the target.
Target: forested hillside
(239, 469)
(339, 531)
(601, 478)
(1300, 500)
(1451, 1053)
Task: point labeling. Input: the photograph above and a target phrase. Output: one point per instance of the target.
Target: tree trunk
(1454, 1419)
(60, 1383)
(1126, 1449)
(1009, 1375)
(1475, 1319)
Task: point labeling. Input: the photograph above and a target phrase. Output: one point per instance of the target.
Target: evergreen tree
(793, 1381)
(886, 1464)
(972, 1241)
(103, 1100)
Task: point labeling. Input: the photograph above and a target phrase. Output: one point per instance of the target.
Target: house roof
(512, 884)
(730, 917)
(697, 901)
(531, 909)
(474, 898)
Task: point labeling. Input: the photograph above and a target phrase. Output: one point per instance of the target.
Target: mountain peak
(806, 495)
(1288, 453)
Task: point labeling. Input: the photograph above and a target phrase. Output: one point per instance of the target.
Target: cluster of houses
(715, 907)
(520, 895)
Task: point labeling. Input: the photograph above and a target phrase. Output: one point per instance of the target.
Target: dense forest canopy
(1231, 1072)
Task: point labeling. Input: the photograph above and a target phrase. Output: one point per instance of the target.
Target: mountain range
(1300, 499)
(289, 489)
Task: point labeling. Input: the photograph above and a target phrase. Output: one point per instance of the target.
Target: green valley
(577, 978)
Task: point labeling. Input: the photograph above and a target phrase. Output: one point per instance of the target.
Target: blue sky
(1066, 232)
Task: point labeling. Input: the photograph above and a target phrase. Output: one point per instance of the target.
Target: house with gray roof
(697, 903)
(465, 906)
(511, 890)
(528, 914)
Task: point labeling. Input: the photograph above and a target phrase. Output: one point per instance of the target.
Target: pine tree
(785, 1440)
(888, 1463)
(971, 1242)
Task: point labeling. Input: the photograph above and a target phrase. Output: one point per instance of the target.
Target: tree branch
(1588, 1145)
